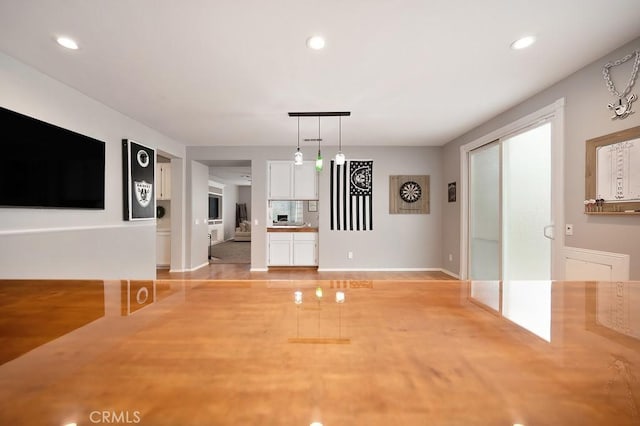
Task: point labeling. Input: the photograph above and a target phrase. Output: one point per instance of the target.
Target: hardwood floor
(242, 272)
(180, 352)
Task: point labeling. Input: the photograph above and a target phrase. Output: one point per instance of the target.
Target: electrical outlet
(450, 257)
(350, 255)
(568, 229)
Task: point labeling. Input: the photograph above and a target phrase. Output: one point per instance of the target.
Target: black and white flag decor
(351, 201)
(138, 172)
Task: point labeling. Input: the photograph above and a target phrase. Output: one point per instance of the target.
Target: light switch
(568, 230)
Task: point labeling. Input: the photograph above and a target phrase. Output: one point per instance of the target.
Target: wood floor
(241, 352)
(242, 272)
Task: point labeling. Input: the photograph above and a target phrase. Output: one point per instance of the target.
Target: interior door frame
(554, 114)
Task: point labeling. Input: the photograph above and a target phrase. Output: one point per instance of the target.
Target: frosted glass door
(484, 213)
(526, 198)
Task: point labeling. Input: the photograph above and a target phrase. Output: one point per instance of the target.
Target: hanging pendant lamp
(319, 158)
(340, 158)
(297, 157)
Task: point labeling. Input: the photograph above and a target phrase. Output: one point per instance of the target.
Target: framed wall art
(612, 173)
(451, 192)
(138, 181)
(409, 194)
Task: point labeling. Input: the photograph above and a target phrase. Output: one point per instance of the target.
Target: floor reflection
(349, 352)
(321, 316)
(33, 313)
(613, 310)
(525, 303)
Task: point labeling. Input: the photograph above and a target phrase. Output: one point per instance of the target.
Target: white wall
(397, 241)
(229, 210)
(178, 214)
(57, 243)
(244, 196)
(586, 117)
(197, 215)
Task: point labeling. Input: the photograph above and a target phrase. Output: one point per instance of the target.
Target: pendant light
(340, 158)
(297, 157)
(319, 158)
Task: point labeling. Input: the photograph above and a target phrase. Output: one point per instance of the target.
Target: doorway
(230, 212)
(513, 201)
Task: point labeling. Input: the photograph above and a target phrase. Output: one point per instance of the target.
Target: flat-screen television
(215, 206)
(47, 166)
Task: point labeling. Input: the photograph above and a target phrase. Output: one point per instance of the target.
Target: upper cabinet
(305, 181)
(163, 184)
(290, 182)
(280, 180)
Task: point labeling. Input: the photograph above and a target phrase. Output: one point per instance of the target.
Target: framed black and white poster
(451, 191)
(138, 181)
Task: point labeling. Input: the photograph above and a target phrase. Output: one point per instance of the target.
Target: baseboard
(258, 269)
(379, 269)
(197, 267)
(451, 274)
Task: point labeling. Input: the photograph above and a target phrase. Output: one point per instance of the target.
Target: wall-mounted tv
(47, 166)
(215, 207)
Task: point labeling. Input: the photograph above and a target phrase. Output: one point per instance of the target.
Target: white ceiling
(236, 172)
(412, 72)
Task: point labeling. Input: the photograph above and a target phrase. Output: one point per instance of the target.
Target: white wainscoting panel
(592, 265)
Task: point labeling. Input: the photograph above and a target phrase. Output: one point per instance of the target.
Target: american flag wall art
(351, 189)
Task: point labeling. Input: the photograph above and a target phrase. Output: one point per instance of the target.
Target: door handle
(548, 232)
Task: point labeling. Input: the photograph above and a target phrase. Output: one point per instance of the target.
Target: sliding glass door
(526, 205)
(510, 207)
(484, 212)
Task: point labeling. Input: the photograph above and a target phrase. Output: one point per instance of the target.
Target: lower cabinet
(280, 248)
(293, 249)
(305, 245)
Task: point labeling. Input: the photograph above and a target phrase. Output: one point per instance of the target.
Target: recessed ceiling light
(67, 42)
(523, 42)
(315, 42)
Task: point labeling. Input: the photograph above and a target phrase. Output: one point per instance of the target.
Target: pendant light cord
(318, 135)
(298, 133)
(340, 134)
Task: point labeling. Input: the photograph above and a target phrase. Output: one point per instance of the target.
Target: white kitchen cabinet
(280, 249)
(163, 248)
(305, 248)
(163, 184)
(305, 181)
(280, 180)
(290, 182)
(293, 249)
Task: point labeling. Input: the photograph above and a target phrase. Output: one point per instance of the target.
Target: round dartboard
(410, 192)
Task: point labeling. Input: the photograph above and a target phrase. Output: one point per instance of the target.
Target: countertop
(291, 229)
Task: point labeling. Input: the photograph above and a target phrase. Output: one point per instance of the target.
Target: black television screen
(215, 202)
(48, 166)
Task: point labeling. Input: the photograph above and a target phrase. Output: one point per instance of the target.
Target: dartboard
(410, 192)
